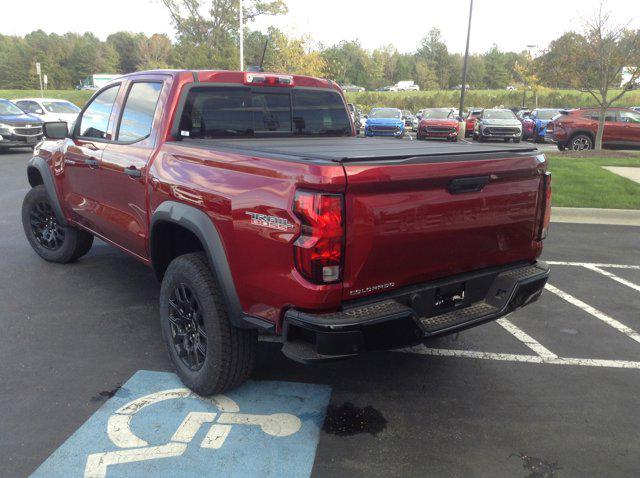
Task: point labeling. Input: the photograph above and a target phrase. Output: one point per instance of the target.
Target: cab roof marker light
(268, 80)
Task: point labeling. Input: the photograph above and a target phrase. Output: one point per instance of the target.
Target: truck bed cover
(349, 149)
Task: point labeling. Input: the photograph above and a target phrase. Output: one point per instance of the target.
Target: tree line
(206, 38)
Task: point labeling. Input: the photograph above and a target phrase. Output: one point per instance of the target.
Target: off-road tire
(230, 351)
(72, 243)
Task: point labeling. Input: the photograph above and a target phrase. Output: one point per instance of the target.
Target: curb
(611, 217)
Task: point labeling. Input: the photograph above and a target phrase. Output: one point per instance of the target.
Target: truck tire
(49, 239)
(208, 353)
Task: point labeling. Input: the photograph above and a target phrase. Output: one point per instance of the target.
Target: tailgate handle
(468, 185)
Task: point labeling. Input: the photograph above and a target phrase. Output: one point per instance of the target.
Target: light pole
(241, 39)
(524, 90)
(466, 59)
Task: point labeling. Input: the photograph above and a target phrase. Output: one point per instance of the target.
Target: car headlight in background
(5, 128)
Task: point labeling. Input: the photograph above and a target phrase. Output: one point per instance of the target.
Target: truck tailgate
(418, 219)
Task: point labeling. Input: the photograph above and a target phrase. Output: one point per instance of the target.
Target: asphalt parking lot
(550, 391)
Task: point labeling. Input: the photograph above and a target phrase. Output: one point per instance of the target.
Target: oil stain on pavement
(347, 419)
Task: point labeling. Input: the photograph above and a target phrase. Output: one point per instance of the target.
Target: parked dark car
(408, 117)
(539, 118)
(18, 129)
(470, 121)
(577, 129)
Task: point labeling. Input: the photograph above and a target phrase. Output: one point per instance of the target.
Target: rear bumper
(408, 316)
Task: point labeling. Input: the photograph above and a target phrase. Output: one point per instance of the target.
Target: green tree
(552, 64)
(207, 30)
(605, 50)
(497, 74)
(154, 52)
(433, 51)
(127, 45)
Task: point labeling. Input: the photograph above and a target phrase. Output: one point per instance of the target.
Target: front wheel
(49, 239)
(561, 147)
(209, 354)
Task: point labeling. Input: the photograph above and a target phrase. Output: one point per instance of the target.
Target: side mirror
(38, 111)
(56, 129)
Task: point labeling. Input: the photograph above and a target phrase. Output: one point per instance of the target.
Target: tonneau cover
(347, 149)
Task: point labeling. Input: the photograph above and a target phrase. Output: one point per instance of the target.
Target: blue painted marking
(234, 437)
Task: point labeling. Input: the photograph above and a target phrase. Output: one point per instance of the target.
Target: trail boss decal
(272, 222)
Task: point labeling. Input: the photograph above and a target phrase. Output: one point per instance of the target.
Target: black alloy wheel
(46, 229)
(187, 327)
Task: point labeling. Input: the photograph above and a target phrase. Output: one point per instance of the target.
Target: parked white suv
(49, 109)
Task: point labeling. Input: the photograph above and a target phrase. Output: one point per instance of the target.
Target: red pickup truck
(261, 212)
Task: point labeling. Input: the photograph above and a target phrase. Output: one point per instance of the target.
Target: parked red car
(576, 129)
(438, 123)
(471, 119)
(258, 209)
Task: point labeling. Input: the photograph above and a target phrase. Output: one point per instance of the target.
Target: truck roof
(351, 149)
(231, 76)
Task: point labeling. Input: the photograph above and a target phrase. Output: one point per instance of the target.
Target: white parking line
(422, 350)
(628, 331)
(526, 339)
(613, 277)
(593, 264)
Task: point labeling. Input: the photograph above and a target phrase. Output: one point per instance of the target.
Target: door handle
(91, 162)
(133, 172)
(468, 185)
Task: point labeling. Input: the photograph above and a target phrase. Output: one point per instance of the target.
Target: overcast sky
(511, 24)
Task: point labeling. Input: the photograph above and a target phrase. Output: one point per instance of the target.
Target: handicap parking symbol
(154, 426)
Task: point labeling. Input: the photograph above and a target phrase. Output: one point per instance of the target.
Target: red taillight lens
(546, 206)
(318, 250)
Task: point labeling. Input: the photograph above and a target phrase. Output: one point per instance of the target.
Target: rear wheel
(49, 239)
(209, 354)
(581, 142)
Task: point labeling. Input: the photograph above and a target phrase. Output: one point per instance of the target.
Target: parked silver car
(498, 124)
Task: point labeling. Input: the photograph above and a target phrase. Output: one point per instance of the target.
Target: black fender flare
(197, 221)
(40, 164)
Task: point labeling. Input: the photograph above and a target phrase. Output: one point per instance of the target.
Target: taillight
(319, 249)
(546, 206)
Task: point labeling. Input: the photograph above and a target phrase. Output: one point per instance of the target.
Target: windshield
(62, 107)
(385, 113)
(499, 114)
(437, 114)
(9, 109)
(547, 114)
(226, 112)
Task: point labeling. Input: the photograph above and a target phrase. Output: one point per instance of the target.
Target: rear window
(224, 112)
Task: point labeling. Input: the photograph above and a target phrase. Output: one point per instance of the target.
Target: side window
(629, 117)
(139, 109)
(95, 119)
(29, 106)
(595, 115)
